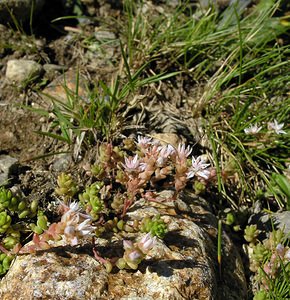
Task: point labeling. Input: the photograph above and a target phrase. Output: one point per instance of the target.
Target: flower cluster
(135, 252)
(155, 165)
(269, 259)
(280, 254)
(272, 127)
(73, 227)
(120, 176)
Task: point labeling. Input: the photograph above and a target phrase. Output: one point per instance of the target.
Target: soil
(64, 44)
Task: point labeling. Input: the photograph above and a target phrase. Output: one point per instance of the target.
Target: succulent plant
(98, 171)
(154, 225)
(251, 233)
(5, 221)
(230, 218)
(11, 239)
(261, 295)
(66, 186)
(135, 252)
(115, 224)
(5, 261)
(260, 253)
(7, 200)
(41, 223)
(91, 199)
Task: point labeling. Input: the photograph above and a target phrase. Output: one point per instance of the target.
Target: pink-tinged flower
(253, 129)
(143, 141)
(147, 243)
(287, 255)
(74, 206)
(164, 153)
(276, 127)
(131, 164)
(198, 167)
(135, 256)
(143, 166)
(71, 210)
(182, 151)
(127, 245)
(280, 249)
(85, 228)
(69, 231)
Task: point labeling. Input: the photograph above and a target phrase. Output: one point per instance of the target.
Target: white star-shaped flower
(276, 127)
(199, 168)
(131, 164)
(182, 151)
(143, 140)
(253, 129)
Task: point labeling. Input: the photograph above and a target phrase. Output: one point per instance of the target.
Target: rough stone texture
(22, 70)
(21, 9)
(52, 71)
(7, 166)
(182, 266)
(54, 275)
(60, 88)
(280, 220)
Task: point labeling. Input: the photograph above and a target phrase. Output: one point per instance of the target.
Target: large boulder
(182, 266)
(20, 9)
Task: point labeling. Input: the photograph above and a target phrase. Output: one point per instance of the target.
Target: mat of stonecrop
(220, 73)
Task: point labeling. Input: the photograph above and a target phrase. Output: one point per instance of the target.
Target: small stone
(22, 70)
(8, 165)
(168, 138)
(104, 35)
(281, 221)
(62, 163)
(59, 87)
(52, 70)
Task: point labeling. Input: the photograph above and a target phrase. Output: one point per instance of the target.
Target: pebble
(22, 70)
(8, 165)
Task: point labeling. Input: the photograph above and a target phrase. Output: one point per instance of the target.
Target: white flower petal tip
(276, 127)
(131, 164)
(142, 140)
(182, 151)
(253, 129)
(198, 168)
(147, 242)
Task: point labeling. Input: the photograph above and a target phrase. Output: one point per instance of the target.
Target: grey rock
(181, 266)
(8, 165)
(280, 220)
(54, 275)
(53, 68)
(61, 163)
(22, 70)
(21, 9)
(104, 35)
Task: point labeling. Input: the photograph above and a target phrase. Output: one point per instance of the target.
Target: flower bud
(127, 244)
(121, 263)
(146, 243)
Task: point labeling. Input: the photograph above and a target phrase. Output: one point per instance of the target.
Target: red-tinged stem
(4, 250)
